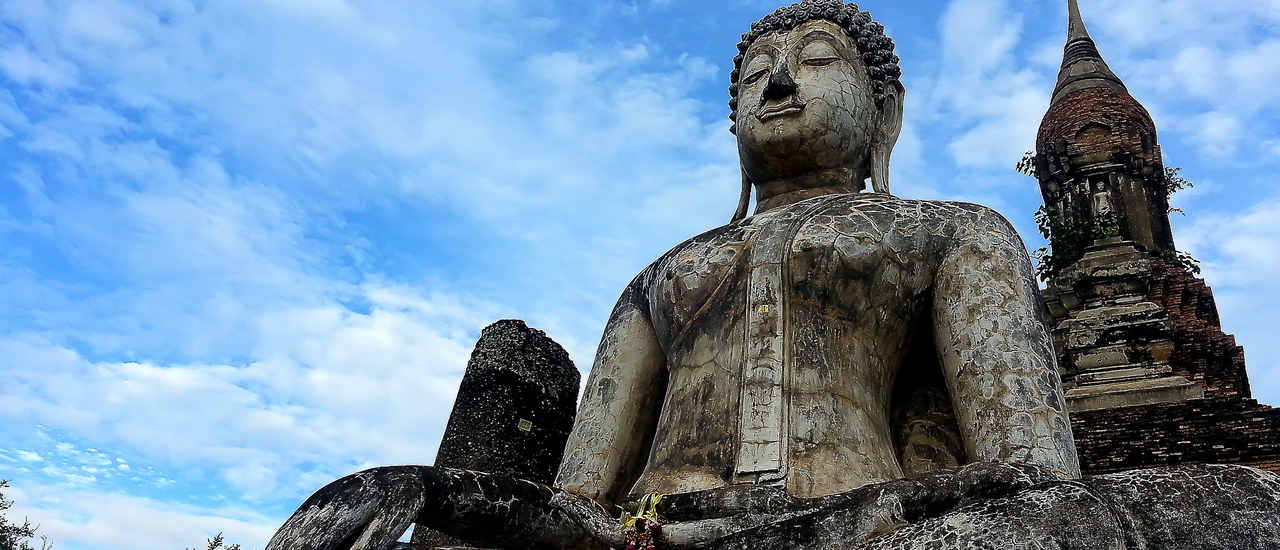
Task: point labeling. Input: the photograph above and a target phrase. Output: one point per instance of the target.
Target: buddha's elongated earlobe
(744, 199)
(880, 167)
(886, 136)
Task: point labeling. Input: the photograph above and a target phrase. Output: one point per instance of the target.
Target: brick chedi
(1098, 163)
(1150, 378)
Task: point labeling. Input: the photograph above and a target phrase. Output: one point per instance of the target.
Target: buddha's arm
(611, 437)
(995, 350)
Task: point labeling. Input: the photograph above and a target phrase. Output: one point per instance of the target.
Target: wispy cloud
(1237, 251)
(322, 382)
(95, 520)
(194, 222)
(986, 89)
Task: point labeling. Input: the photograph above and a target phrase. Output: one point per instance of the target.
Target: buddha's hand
(367, 510)
(943, 490)
(885, 507)
(864, 514)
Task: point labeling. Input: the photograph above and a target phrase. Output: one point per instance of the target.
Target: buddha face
(805, 104)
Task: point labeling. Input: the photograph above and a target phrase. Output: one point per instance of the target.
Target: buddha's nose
(780, 83)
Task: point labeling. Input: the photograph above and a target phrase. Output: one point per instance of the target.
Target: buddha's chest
(834, 262)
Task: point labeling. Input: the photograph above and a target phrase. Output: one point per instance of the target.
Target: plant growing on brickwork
(1067, 241)
(1180, 259)
(1174, 182)
(1028, 164)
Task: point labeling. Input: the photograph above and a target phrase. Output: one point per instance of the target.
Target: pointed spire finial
(1082, 65)
(1075, 23)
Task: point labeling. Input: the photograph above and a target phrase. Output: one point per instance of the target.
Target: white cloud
(1211, 63)
(1216, 133)
(1007, 129)
(92, 520)
(1238, 253)
(328, 383)
(21, 65)
(982, 87)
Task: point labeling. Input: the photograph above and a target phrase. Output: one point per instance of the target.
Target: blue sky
(245, 247)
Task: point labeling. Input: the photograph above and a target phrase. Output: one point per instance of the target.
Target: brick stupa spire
(1082, 65)
(1096, 151)
(1150, 377)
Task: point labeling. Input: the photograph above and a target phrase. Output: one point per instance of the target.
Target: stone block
(1121, 374)
(1132, 393)
(513, 413)
(515, 405)
(1116, 355)
(1085, 337)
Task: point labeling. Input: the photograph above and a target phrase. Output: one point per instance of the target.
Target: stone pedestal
(1114, 345)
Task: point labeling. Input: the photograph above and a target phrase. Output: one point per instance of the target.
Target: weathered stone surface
(1061, 515)
(369, 510)
(982, 505)
(1154, 387)
(515, 405)
(1195, 506)
(514, 409)
(860, 516)
(1202, 507)
(771, 350)
(1114, 344)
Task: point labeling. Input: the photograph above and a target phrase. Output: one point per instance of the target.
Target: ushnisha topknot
(875, 47)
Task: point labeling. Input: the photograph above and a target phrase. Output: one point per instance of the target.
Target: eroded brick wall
(1202, 353)
(1203, 431)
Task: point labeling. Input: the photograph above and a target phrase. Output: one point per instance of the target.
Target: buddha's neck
(785, 191)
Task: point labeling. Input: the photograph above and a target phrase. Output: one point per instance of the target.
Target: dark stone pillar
(513, 413)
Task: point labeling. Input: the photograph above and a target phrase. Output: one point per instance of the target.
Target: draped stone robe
(770, 351)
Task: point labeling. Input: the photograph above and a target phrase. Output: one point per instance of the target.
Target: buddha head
(815, 101)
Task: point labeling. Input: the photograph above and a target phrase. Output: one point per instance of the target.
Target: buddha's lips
(789, 108)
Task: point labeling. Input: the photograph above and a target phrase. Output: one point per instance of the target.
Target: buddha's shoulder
(948, 217)
(721, 245)
(917, 207)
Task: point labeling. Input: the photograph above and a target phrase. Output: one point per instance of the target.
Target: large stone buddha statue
(791, 347)
(839, 369)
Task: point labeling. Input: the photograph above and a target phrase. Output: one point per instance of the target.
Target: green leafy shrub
(1067, 241)
(216, 543)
